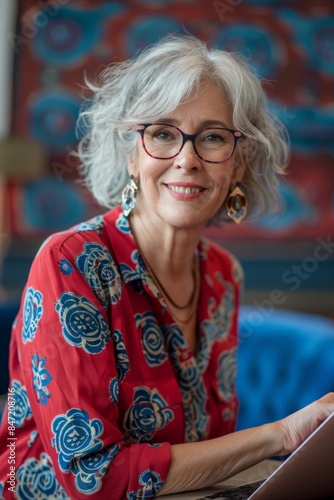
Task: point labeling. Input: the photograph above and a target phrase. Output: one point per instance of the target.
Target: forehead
(208, 103)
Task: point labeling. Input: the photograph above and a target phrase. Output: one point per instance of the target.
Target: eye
(165, 135)
(215, 138)
(162, 135)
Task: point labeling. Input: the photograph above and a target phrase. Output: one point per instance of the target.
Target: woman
(123, 352)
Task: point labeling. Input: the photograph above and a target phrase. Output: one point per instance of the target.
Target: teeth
(185, 190)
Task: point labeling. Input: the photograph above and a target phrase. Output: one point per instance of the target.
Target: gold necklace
(190, 302)
(164, 291)
(162, 288)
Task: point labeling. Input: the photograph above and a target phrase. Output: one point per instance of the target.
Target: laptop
(307, 474)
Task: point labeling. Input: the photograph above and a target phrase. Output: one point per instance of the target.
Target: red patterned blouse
(102, 378)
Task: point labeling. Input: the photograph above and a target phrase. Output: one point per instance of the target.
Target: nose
(187, 158)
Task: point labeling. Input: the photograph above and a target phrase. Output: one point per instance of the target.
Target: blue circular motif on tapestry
(52, 118)
(311, 129)
(71, 33)
(322, 42)
(49, 205)
(314, 36)
(263, 50)
(147, 31)
(296, 211)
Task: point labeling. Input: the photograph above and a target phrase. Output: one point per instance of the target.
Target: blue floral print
(145, 275)
(99, 270)
(36, 480)
(90, 471)
(83, 325)
(226, 374)
(222, 314)
(122, 359)
(75, 436)
(114, 390)
(65, 266)
(94, 224)
(193, 390)
(32, 313)
(217, 327)
(122, 223)
(139, 276)
(41, 378)
(207, 336)
(131, 276)
(152, 484)
(128, 274)
(148, 414)
(152, 339)
(32, 438)
(22, 405)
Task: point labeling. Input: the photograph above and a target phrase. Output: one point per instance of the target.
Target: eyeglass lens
(165, 141)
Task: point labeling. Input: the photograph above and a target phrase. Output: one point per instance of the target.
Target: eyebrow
(202, 123)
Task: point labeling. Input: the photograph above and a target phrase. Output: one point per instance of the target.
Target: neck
(170, 258)
(168, 250)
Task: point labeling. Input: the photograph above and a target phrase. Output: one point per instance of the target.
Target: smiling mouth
(184, 190)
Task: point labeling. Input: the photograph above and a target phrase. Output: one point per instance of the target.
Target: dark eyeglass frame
(141, 127)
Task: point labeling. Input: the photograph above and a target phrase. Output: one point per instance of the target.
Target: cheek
(222, 179)
(149, 169)
(149, 175)
(222, 184)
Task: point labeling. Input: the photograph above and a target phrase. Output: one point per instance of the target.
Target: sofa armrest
(285, 361)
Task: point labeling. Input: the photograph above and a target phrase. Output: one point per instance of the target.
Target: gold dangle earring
(236, 204)
(129, 196)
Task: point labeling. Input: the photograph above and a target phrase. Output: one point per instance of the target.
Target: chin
(186, 220)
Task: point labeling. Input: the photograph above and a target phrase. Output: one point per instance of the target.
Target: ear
(133, 167)
(239, 170)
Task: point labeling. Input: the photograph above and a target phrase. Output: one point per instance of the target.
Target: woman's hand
(200, 464)
(299, 425)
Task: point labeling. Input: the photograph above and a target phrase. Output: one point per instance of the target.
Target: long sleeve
(66, 371)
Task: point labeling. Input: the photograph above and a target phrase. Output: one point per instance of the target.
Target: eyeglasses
(163, 141)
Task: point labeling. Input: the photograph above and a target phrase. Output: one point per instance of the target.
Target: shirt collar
(131, 265)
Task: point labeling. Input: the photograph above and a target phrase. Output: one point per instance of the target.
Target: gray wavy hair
(145, 88)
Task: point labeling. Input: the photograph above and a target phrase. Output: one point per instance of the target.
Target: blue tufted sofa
(285, 361)
(8, 311)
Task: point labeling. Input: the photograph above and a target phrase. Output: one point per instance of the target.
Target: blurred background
(48, 47)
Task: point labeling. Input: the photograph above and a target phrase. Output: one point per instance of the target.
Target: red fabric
(102, 378)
